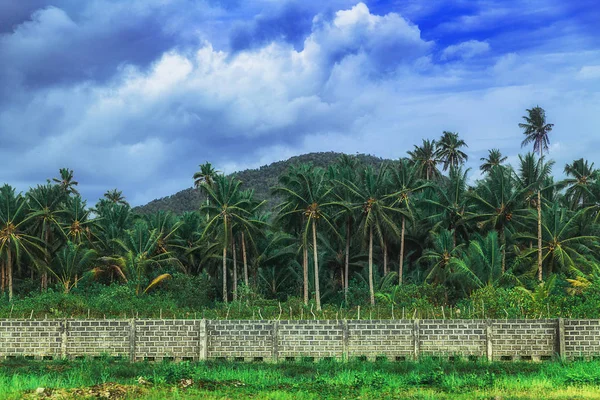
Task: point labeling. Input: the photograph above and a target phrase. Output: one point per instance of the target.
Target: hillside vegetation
(260, 180)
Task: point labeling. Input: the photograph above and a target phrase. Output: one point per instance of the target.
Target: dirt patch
(103, 391)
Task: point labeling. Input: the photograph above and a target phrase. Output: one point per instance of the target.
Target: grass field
(428, 379)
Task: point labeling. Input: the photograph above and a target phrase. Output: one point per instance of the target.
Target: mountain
(260, 179)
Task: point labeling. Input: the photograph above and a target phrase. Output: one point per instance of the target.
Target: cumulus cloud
(355, 80)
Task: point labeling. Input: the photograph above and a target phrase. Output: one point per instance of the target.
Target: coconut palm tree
(536, 130)
(498, 204)
(66, 182)
(115, 196)
(493, 159)
(425, 159)
(205, 176)
(405, 182)
(77, 222)
(15, 241)
(309, 194)
(46, 208)
(581, 176)
(533, 174)
(70, 263)
(228, 208)
(564, 247)
(378, 211)
(449, 151)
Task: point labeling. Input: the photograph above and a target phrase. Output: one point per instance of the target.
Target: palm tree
(581, 177)
(308, 193)
(536, 131)
(563, 245)
(76, 222)
(425, 159)
(229, 208)
(498, 201)
(533, 174)
(378, 211)
(493, 159)
(15, 241)
(448, 150)
(46, 212)
(205, 176)
(66, 182)
(70, 263)
(115, 196)
(404, 180)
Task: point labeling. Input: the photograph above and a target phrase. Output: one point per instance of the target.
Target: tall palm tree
(228, 208)
(581, 176)
(536, 130)
(66, 181)
(449, 151)
(15, 241)
(378, 211)
(46, 208)
(405, 182)
(493, 159)
(426, 159)
(308, 193)
(205, 177)
(498, 202)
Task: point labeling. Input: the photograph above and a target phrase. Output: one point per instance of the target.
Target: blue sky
(136, 94)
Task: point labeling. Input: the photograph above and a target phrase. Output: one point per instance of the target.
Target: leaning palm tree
(425, 159)
(493, 159)
(536, 130)
(15, 241)
(66, 182)
(449, 150)
(308, 194)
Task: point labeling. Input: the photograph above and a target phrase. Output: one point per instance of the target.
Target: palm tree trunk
(371, 287)
(347, 260)
(234, 283)
(9, 273)
(503, 244)
(316, 266)
(539, 226)
(245, 258)
(401, 261)
(385, 267)
(305, 271)
(225, 274)
(45, 273)
(2, 277)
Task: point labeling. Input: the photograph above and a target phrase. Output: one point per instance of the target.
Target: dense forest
(412, 233)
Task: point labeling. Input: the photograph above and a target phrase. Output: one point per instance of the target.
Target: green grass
(428, 379)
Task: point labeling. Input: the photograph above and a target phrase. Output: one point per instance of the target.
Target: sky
(135, 95)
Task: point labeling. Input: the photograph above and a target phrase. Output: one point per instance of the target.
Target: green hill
(260, 179)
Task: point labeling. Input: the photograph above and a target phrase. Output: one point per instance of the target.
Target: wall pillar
(132, 340)
(560, 338)
(64, 337)
(416, 340)
(489, 337)
(275, 355)
(202, 340)
(345, 340)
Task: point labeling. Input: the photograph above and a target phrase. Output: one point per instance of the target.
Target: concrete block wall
(582, 338)
(524, 339)
(452, 337)
(177, 339)
(318, 339)
(282, 340)
(247, 340)
(98, 337)
(31, 338)
(392, 339)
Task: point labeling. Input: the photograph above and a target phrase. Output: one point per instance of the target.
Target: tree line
(333, 230)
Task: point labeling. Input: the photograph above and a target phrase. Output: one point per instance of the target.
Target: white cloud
(465, 50)
(589, 72)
